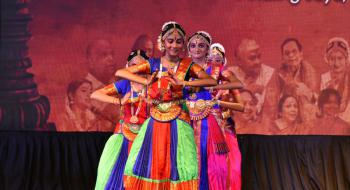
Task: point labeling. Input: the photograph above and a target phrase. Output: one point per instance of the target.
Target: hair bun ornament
(134, 53)
(206, 35)
(219, 47)
(160, 45)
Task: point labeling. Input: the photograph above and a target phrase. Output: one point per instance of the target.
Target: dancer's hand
(173, 79)
(152, 78)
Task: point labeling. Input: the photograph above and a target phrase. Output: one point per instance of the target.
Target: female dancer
(210, 140)
(228, 100)
(163, 155)
(133, 114)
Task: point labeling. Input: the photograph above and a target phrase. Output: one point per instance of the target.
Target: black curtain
(50, 160)
(295, 162)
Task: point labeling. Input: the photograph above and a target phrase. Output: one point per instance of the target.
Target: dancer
(163, 155)
(133, 114)
(228, 100)
(210, 140)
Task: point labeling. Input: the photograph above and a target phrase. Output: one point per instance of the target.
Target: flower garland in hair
(134, 54)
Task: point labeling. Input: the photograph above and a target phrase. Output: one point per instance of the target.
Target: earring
(162, 47)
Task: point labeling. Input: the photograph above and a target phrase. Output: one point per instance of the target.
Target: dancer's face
(215, 59)
(198, 48)
(173, 44)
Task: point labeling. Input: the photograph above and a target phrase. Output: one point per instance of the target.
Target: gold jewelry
(171, 66)
(134, 119)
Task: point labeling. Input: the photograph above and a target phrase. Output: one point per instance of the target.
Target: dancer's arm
(231, 105)
(106, 94)
(231, 82)
(196, 71)
(235, 103)
(203, 79)
(131, 73)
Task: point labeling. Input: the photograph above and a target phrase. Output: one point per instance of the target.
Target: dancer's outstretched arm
(231, 105)
(231, 82)
(109, 94)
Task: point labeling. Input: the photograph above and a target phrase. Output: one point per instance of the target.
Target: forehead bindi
(197, 40)
(174, 36)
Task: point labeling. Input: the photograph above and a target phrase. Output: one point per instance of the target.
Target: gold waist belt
(199, 109)
(130, 130)
(166, 111)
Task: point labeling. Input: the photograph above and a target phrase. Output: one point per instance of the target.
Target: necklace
(171, 65)
(134, 119)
